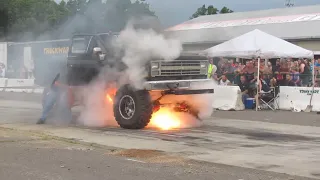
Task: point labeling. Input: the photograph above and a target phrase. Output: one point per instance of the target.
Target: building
(299, 25)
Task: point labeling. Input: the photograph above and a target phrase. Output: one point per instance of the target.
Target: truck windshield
(80, 44)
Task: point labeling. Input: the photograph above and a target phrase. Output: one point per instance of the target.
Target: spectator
(295, 76)
(304, 71)
(295, 65)
(289, 63)
(273, 82)
(211, 69)
(262, 65)
(244, 87)
(268, 69)
(237, 77)
(262, 87)
(224, 81)
(311, 64)
(279, 78)
(249, 70)
(236, 66)
(229, 70)
(284, 67)
(255, 62)
(289, 81)
(276, 68)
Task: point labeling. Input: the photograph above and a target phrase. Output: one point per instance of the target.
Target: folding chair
(269, 99)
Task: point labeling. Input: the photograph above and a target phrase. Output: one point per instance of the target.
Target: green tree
(225, 10)
(31, 16)
(210, 10)
(47, 18)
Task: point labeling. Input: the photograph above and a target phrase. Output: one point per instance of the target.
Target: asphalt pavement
(229, 145)
(29, 156)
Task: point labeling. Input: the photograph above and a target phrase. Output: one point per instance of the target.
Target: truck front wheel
(132, 108)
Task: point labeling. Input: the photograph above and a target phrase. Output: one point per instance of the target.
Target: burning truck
(165, 82)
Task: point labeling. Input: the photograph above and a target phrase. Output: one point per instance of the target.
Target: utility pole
(289, 3)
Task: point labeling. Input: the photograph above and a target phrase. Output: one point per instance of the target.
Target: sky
(172, 12)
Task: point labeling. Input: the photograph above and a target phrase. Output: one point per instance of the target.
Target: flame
(110, 93)
(165, 119)
(108, 97)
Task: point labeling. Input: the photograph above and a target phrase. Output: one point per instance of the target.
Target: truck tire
(132, 108)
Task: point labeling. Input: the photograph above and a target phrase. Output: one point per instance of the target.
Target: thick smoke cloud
(140, 46)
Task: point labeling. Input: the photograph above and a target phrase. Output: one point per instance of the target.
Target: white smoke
(96, 110)
(141, 46)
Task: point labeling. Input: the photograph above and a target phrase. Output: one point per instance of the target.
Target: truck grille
(179, 72)
(181, 63)
(181, 68)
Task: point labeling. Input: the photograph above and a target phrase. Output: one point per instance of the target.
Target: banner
(298, 98)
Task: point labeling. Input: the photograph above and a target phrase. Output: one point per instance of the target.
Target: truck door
(83, 65)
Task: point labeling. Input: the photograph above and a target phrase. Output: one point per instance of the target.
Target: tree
(211, 10)
(225, 10)
(34, 19)
(26, 19)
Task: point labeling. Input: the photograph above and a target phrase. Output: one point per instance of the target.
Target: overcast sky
(172, 12)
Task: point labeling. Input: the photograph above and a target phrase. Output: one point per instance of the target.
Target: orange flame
(110, 93)
(108, 97)
(165, 119)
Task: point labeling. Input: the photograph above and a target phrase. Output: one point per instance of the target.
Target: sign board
(298, 98)
(247, 22)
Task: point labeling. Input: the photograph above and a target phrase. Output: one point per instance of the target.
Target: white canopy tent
(258, 44)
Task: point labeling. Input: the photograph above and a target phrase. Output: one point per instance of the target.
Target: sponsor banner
(298, 98)
(247, 22)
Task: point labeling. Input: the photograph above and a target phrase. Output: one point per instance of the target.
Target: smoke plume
(141, 46)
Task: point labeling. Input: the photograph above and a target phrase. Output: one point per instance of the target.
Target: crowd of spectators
(282, 72)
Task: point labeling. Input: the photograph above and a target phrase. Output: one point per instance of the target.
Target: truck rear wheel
(132, 109)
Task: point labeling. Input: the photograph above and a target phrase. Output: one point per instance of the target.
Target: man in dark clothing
(244, 87)
(50, 99)
(304, 73)
(276, 67)
(289, 81)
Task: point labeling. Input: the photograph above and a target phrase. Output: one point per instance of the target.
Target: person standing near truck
(51, 97)
(211, 69)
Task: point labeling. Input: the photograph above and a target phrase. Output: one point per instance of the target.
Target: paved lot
(28, 156)
(283, 117)
(267, 142)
